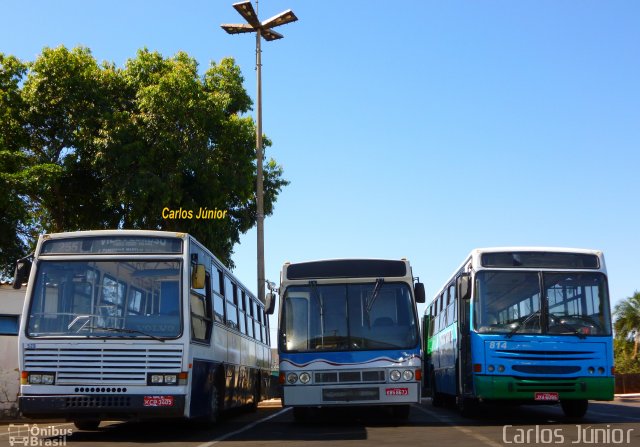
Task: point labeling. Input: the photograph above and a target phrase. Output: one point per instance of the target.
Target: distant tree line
(85, 145)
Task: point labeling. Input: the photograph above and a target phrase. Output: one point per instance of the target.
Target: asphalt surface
(606, 423)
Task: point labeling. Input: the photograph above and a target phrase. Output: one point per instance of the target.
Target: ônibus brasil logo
(37, 436)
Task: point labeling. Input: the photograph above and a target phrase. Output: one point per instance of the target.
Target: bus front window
(507, 301)
(575, 303)
(348, 317)
(106, 298)
(578, 303)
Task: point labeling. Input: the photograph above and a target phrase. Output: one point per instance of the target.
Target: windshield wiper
(127, 331)
(566, 326)
(523, 323)
(374, 295)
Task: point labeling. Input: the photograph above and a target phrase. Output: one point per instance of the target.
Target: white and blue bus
(130, 324)
(525, 325)
(349, 335)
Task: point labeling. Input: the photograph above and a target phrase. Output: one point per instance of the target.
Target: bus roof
(476, 254)
(346, 268)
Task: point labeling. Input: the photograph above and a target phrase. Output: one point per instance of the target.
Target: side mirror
(464, 286)
(21, 273)
(418, 288)
(270, 303)
(197, 277)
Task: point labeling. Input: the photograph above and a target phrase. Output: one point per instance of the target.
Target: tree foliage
(627, 323)
(91, 146)
(627, 330)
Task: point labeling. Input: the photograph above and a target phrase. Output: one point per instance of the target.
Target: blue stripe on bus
(348, 358)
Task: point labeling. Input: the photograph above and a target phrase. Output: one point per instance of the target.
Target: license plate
(397, 391)
(546, 396)
(158, 401)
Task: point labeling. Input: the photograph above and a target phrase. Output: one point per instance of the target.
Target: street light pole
(262, 30)
(259, 174)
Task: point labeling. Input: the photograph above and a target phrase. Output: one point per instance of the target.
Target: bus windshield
(572, 303)
(106, 299)
(347, 317)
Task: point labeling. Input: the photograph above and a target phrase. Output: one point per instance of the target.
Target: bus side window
(451, 311)
(217, 287)
(256, 322)
(442, 312)
(232, 310)
(201, 312)
(250, 327)
(267, 335)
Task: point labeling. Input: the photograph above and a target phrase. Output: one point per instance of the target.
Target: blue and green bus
(349, 335)
(521, 325)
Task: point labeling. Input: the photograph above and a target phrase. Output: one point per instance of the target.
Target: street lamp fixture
(264, 30)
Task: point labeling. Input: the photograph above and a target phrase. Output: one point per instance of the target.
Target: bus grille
(349, 376)
(104, 365)
(546, 369)
(539, 384)
(97, 401)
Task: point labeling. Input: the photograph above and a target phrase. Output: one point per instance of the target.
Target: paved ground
(611, 423)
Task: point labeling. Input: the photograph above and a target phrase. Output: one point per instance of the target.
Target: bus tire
(87, 424)
(574, 408)
(401, 412)
(214, 406)
(253, 407)
(437, 400)
(466, 406)
(300, 414)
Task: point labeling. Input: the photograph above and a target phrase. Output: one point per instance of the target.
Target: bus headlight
(157, 379)
(491, 368)
(500, 368)
(41, 378)
(170, 379)
(292, 378)
(600, 370)
(305, 377)
(407, 375)
(395, 375)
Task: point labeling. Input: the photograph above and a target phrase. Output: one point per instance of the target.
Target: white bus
(11, 303)
(130, 324)
(349, 335)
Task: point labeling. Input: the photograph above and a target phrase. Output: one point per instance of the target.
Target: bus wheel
(214, 406)
(574, 408)
(256, 397)
(437, 400)
(467, 407)
(300, 414)
(401, 412)
(87, 424)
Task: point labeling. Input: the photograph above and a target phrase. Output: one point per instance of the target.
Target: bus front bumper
(525, 389)
(94, 406)
(361, 394)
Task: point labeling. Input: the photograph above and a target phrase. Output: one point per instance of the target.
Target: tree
(627, 323)
(14, 216)
(108, 147)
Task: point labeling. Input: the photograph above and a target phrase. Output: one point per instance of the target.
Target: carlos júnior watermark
(37, 435)
(581, 434)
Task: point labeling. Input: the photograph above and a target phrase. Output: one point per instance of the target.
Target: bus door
(464, 363)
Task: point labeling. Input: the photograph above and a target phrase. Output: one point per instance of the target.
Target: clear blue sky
(418, 129)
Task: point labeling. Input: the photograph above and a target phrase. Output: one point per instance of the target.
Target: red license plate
(397, 391)
(158, 401)
(546, 396)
